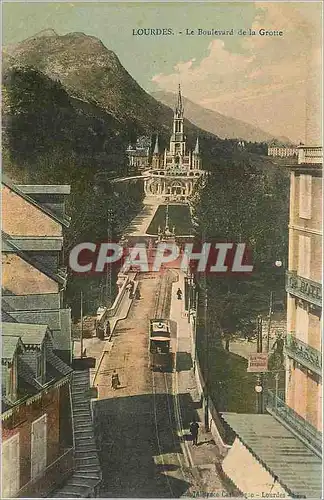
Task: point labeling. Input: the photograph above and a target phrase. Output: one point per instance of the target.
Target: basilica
(170, 175)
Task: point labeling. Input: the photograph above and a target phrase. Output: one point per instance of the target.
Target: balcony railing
(297, 424)
(310, 154)
(304, 288)
(303, 353)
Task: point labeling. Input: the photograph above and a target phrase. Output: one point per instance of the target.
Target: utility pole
(269, 321)
(207, 359)
(277, 389)
(259, 383)
(108, 266)
(81, 311)
(206, 333)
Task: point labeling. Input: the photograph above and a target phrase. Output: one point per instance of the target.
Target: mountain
(223, 126)
(70, 110)
(90, 72)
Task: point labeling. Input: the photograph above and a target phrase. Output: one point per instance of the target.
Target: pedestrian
(115, 380)
(107, 329)
(179, 294)
(137, 294)
(131, 289)
(100, 332)
(278, 347)
(194, 426)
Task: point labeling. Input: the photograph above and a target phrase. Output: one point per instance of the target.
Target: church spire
(196, 151)
(156, 147)
(179, 106)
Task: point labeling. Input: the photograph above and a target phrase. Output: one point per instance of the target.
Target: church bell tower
(177, 141)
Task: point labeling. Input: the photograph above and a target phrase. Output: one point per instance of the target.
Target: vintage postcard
(161, 249)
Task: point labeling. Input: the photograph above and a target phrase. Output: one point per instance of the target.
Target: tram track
(163, 389)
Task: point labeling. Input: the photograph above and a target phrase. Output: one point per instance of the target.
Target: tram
(159, 345)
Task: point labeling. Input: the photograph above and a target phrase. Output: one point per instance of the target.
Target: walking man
(115, 380)
(107, 329)
(194, 426)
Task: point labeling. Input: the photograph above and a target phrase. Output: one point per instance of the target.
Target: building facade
(139, 154)
(282, 152)
(37, 447)
(304, 340)
(34, 277)
(174, 172)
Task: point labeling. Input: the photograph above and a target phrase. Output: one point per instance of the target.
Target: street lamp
(207, 359)
(278, 264)
(259, 382)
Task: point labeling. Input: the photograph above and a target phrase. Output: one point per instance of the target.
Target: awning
(297, 468)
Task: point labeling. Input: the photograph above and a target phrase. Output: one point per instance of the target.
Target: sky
(263, 80)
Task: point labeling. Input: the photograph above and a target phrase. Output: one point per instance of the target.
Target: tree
(243, 203)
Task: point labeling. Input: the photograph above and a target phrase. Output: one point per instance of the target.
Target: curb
(177, 410)
(109, 339)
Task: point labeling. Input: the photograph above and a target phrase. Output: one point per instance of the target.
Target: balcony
(304, 354)
(304, 288)
(305, 431)
(310, 154)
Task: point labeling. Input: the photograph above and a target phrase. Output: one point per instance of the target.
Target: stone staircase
(85, 481)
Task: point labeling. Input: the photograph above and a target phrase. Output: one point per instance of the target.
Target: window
(41, 364)
(319, 407)
(304, 255)
(10, 467)
(11, 387)
(302, 323)
(305, 196)
(38, 446)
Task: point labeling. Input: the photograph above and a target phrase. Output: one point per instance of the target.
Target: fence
(222, 433)
(297, 424)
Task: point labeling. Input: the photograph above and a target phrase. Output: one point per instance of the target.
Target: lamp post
(278, 264)
(108, 268)
(81, 313)
(259, 382)
(206, 361)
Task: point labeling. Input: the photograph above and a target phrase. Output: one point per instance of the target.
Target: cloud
(265, 83)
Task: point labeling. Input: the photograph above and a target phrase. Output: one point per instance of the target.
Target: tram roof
(160, 325)
(161, 339)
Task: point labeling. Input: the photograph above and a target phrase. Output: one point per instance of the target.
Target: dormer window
(41, 364)
(11, 382)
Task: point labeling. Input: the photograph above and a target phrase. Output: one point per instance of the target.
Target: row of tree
(244, 202)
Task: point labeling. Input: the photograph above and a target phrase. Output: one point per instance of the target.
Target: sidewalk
(203, 458)
(97, 348)
(141, 222)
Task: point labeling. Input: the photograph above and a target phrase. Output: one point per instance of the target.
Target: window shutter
(305, 196)
(38, 446)
(319, 407)
(302, 324)
(304, 254)
(10, 467)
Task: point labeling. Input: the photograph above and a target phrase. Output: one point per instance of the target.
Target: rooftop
(297, 468)
(34, 244)
(9, 346)
(30, 334)
(45, 188)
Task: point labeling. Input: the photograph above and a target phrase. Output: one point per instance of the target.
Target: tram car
(159, 345)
